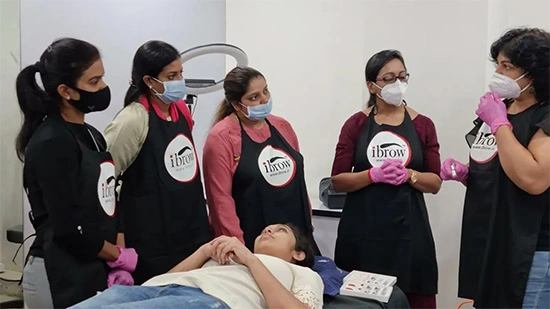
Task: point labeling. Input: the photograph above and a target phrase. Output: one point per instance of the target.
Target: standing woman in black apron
(253, 169)
(504, 252)
(387, 157)
(162, 202)
(69, 180)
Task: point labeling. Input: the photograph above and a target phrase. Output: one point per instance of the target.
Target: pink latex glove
(492, 111)
(460, 170)
(127, 260)
(391, 172)
(119, 276)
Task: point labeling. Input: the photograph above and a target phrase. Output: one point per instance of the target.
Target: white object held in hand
(453, 171)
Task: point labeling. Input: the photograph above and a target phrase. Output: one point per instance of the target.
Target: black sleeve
(57, 174)
(545, 125)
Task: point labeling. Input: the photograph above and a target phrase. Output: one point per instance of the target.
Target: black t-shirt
(50, 177)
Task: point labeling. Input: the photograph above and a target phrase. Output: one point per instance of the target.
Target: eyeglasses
(392, 78)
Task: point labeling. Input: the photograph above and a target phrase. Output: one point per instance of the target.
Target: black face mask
(92, 101)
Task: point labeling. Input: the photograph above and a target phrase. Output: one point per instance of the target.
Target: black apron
(269, 186)
(384, 228)
(512, 226)
(72, 280)
(484, 168)
(162, 201)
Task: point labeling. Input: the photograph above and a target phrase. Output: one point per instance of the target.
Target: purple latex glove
(127, 260)
(391, 172)
(492, 111)
(451, 169)
(119, 276)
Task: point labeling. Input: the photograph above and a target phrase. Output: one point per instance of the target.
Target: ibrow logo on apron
(277, 167)
(106, 187)
(388, 145)
(180, 159)
(484, 148)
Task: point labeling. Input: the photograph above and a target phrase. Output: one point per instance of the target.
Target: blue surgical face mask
(260, 111)
(174, 90)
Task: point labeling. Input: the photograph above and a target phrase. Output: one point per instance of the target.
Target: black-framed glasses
(390, 79)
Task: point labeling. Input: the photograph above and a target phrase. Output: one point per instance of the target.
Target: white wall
(118, 28)
(11, 204)
(313, 54)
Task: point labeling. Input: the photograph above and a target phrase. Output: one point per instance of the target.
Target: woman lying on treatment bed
(225, 274)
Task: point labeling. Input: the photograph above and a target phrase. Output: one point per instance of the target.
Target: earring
(68, 98)
(532, 90)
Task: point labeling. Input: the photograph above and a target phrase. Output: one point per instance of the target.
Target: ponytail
(35, 104)
(224, 109)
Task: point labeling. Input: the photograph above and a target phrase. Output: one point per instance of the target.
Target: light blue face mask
(174, 90)
(260, 111)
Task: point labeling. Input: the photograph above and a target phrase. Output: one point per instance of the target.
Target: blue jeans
(146, 297)
(537, 293)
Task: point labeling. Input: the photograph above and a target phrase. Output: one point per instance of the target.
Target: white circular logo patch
(388, 145)
(277, 167)
(484, 148)
(180, 159)
(106, 187)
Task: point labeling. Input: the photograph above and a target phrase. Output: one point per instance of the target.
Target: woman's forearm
(350, 182)
(427, 182)
(109, 252)
(194, 261)
(275, 294)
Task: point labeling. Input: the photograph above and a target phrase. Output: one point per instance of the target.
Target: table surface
(321, 210)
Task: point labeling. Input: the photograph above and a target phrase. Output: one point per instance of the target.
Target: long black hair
(529, 49)
(63, 62)
(376, 63)
(150, 59)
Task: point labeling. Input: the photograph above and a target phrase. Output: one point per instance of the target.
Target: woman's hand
(492, 111)
(224, 248)
(206, 250)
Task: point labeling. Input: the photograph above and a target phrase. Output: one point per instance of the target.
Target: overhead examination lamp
(203, 86)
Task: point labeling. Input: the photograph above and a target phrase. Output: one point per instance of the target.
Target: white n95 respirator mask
(506, 87)
(393, 93)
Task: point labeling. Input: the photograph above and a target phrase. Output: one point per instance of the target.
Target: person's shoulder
(50, 130)
(224, 127)
(224, 131)
(50, 136)
(274, 119)
(132, 116)
(355, 121)
(134, 109)
(419, 118)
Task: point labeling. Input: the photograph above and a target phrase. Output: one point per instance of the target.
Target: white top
(234, 284)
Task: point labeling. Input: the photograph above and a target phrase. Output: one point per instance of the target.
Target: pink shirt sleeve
(218, 167)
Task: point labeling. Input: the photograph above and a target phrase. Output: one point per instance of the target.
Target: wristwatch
(414, 177)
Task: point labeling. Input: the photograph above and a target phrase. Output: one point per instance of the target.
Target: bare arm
(120, 240)
(194, 261)
(528, 168)
(275, 294)
(109, 252)
(427, 182)
(350, 182)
